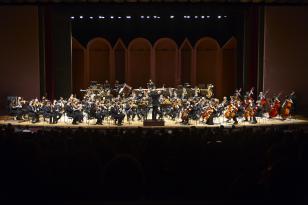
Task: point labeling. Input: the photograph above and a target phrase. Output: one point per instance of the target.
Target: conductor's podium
(152, 123)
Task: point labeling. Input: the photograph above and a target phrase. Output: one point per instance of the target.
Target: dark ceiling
(158, 1)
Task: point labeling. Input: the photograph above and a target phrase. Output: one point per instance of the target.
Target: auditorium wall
(285, 52)
(19, 53)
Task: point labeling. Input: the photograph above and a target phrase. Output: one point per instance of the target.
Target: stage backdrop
(19, 53)
(286, 52)
(163, 62)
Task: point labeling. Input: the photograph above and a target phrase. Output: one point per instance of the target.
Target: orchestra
(184, 103)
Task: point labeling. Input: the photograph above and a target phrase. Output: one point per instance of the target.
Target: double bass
(287, 106)
(275, 107)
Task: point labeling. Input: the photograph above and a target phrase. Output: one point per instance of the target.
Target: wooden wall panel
(139, 62)
(120, 58)
(166, 62)
(78, 67)
(186, 62)
(207, 51)
(229, 67)
(99, 57)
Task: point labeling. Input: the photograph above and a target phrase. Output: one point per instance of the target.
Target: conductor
(155, 95)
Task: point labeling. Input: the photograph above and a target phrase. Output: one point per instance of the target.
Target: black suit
(155, 103)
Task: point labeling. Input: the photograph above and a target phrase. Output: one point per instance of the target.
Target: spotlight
(196, 17)
(128, 17)
(225, 16)
(119, 17)
(91, 17)
(148, 17)
(208, 17)
(72, 17)
(158, 17)
(219, 17)
(142, 17)
(155, 17)
(81, 17)
(188, 17)
(112, 17)
(101, 17)
(171, 17)
(202, 17)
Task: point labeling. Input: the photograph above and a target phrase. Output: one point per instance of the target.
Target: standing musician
(151, 85)
(287, 106)
(275, 107)
(155, 96)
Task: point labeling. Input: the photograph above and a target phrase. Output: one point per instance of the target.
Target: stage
(218, 122)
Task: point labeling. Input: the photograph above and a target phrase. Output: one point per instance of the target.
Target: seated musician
(33, 109)
(106, 85)
(15, 108)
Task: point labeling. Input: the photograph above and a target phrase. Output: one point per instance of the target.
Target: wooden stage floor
(66, 123)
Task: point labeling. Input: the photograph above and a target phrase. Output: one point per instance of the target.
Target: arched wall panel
(229, 67)
(186, 62)
(139, 62)
(99, 59)
(166, 62)
(78, 66)
(120, 58)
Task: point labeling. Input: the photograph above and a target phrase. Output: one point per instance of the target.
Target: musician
(151, 84)
(33, 109)
(106, 85)
(155, 96)
(15, 107)
(100, 112)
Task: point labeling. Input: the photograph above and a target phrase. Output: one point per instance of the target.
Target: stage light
(91, 17)
(142, 17)
(119, 17)
(171, 17)
(225, 16)
(219, 17)
(101, 17)
(128, 17)
(196, 17)
(148, 17)
(155, 17)
(72, 17)
(188, 17)
(208, 17)
(112, 17)
(81, 17)
(158, 17)
(202, 17)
